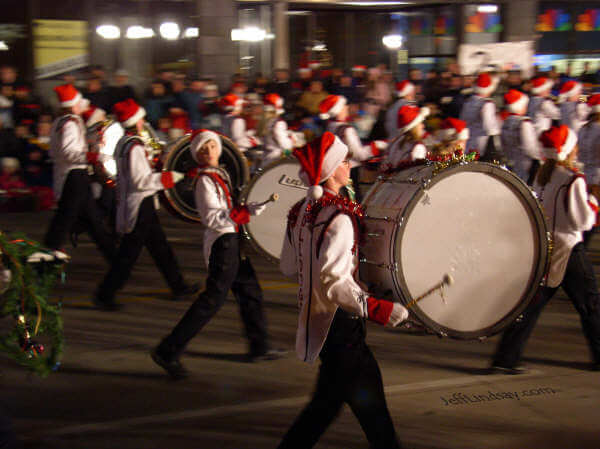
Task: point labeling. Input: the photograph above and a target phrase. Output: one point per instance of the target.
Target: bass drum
(179, 200)
(477, 222)
(266, 231)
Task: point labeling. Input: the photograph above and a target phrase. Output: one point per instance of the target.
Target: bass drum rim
(541, 236)
(244, 197)
(167, 197)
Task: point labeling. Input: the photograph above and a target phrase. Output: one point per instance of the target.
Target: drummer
(92, 114)
(227, 269)
(406, 92)
(136, 218)
(570, 210)
(409, 144)
(278, 139)
(234, 125)
(321, 249)
(452, 137)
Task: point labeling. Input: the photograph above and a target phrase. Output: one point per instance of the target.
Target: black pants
(580, 286)
(348, 374)
(226, 270)
(77, 205)
(147, 232)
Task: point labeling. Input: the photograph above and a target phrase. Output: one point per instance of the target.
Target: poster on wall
(474, 58)
(59, 46)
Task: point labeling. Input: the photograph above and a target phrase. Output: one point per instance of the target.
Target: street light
(191, 32)
(3, 46)
(139, 32)
(169, 31)
(491, 9)
(249, 34)
(109, 31)
(392, 41)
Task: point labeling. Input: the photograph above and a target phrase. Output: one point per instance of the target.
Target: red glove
(240, 214)
(166, 178)
(92, 157)
(379, 310)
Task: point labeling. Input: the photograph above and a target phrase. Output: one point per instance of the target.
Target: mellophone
(463, 245)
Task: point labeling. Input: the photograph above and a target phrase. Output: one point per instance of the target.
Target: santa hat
(486, 84)
(274, 102)
(10, 162)
(453, 129)
(319, 162)
(558, 142)
(314, 65)
(332, 106)
(540, 84)
(230, 102)
(92, 115)
(359, 68)
(594, 103)
(404, 88)
(515, 101)
(67, 95)
(200, 137)
(410, 116)
(568, 89)
(128, 112)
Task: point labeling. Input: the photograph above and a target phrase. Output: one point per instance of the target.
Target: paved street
(109, 394)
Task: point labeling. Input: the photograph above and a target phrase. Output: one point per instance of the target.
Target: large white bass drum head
(267, 230)
(477, 222)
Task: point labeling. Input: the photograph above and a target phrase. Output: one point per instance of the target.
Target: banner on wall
(473, 58)
(59, 46)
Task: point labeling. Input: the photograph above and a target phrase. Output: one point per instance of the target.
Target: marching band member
(227, 269)
(519, 139)
(479, 111)
(278, 139)
(136, 217)
(569, 211)
(409, 143)
(234, 125)
(542, 109)
(321, 250)
(573, 113)
(93, 114)
(72, 186)
(406, 93)
(452, 137)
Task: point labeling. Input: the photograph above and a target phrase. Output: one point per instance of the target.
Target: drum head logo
(290, 181)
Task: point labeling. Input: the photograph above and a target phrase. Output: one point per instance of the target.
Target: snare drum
(477, 222)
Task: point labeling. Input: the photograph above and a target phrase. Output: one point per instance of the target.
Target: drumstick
(273, 198)
(446, 280)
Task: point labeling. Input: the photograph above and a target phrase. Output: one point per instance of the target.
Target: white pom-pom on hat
(315, 192)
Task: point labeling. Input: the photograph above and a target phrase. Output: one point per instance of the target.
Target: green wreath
(26, 301)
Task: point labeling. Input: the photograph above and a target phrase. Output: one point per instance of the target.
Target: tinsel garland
(26, 301)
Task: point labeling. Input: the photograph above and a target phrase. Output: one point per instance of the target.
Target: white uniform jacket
(542, 111)
(234, 126)
(277, 140)
(214, 201)
(325, 261)
(520, 144)
(402, 152)
(480, 115)
(68, 149)
(347, 133)
(574, 115)
(569, 211)
(391, 117)
(589, 151)
(135, 181)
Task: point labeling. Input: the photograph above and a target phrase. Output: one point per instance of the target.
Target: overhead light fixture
(490, 9)
(139, 32)
(3, 46)
(249, 34)
(319, 47)
(393, 41)
(297, 13)
(375, 3)
(109, 31)
(169, 31)
(191, 32)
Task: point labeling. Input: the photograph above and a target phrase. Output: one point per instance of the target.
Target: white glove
(398, 315)
(177, 176)
(256, 208)
(102, 158)
(5, 277)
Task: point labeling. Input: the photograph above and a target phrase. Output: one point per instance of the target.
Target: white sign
(499, 56)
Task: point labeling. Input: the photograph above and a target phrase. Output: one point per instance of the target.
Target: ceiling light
(169, 30)
(191, 32)
(249, 34)
(139, 32)
(392, 41)
(488, 9)
(109, 31)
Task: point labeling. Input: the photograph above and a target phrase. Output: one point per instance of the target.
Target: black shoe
(107, 306)
(188, 290)
(174, 368)
(271, 354)
(512, 370)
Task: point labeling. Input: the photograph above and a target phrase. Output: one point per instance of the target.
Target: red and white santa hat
(314, 65)
(93, 114)
(359, 68)
(67, 95)
(319, 161)
(410, 116)
(558, 142)
(453, 129)
(332, 106)
(230, 102)
(200, 137)
(594, 103)
(128, 112)
(515, 101)
(541, 84)
(568, 89)
(486, 84)
(404, 88)
(274, 102)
